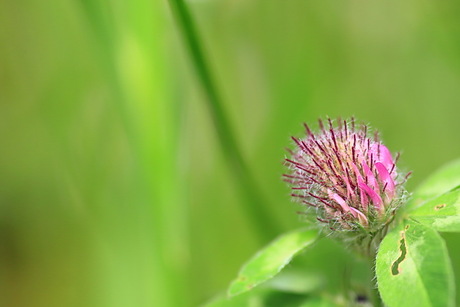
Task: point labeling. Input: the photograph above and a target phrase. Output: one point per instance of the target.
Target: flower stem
(375, 298)
(374, 291)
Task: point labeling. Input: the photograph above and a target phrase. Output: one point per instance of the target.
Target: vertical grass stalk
(256, 205)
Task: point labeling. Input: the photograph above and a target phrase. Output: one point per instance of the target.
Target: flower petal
(370, 175)
(339, 200)
(361, 217)
(376, 199)
(386, 178)
(382, 154)
(362, 193)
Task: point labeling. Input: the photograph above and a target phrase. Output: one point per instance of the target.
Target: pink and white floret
(350, 178)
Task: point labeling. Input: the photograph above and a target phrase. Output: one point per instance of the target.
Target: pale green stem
(256, 206)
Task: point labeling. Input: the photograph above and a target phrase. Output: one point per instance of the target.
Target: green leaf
(320, 302)
(441, 213)
(250, 299)
(441, 181)
(413, 268)
(271, 260)
(262, 297)
(295, 280)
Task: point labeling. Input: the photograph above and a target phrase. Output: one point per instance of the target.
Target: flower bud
(348, 177)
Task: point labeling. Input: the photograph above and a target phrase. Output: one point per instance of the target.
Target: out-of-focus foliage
(269, 261)
(90, 214)
(445, 179)
(113, 188)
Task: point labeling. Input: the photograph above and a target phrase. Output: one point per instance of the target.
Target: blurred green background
(114, 187)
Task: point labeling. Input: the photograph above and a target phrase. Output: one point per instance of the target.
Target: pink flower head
(349, 177)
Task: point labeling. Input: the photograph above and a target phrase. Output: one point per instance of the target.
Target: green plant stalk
(256, 205)
(375, 298)
(152, 173)
(374, 291)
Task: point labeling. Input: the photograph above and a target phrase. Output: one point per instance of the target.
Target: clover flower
(350, 178)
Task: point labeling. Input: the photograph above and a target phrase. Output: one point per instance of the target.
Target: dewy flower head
(350, 178)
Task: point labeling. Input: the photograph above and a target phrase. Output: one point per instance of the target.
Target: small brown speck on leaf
(439, 207)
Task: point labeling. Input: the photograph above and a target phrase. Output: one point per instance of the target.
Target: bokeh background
(116, 188)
